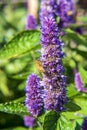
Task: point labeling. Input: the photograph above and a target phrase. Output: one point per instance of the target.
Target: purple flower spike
(47, 8)
(29, 121)
(31, 22)
(53, 80)
(67, 12)
(84, 125)
(34, 102)
(79, 84)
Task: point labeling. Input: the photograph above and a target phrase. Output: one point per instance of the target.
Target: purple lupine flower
(53, 80)
(29, 121)
(66, 10)
(31, 22)
(84, 125)
(79, 83)
(34, 102)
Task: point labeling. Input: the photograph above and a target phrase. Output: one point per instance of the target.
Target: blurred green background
(13, 72)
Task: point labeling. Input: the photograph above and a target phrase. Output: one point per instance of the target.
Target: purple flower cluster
(49, 31)
(66, 11)
(29, 121)
(31, 22)
(84, 125)
(79, 84)
(53, 80)
(34, 102)
(47, 8)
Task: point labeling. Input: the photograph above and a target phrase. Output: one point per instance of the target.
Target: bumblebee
(39, 66)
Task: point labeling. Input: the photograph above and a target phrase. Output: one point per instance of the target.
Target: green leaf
(19, 128)
(83, 18)
(71, 106)
(18, 100)
(21, 75)
(3, 84)
(82, 48)
(21, 43)
(65, 124)
(82, 102)
(41, 117)
(14, 108)
(36, 128)
(50, 120)
(78, 127)
(71, 91)
(75, 26)
(75, 37)
(83, 74)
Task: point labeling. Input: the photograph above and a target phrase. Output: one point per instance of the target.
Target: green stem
(30, 128)
(39, 124)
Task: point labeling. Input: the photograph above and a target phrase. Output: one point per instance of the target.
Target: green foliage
(14, 108)
(18, 60)
(71, 91)
(78, 127)
(83, 18)
(82, 102)
(71, 106)
(21, 43)
(65, 124)
(83, 73)
(3, 84)
(71, 35)
(50, 120)
(19, 128)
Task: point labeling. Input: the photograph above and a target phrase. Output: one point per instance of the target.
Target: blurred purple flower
(84, 125)
(66, 11)
(29, 121)
(79, 30)
(78, 83)
(54, 81)
(34, 102)
(31, 22)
